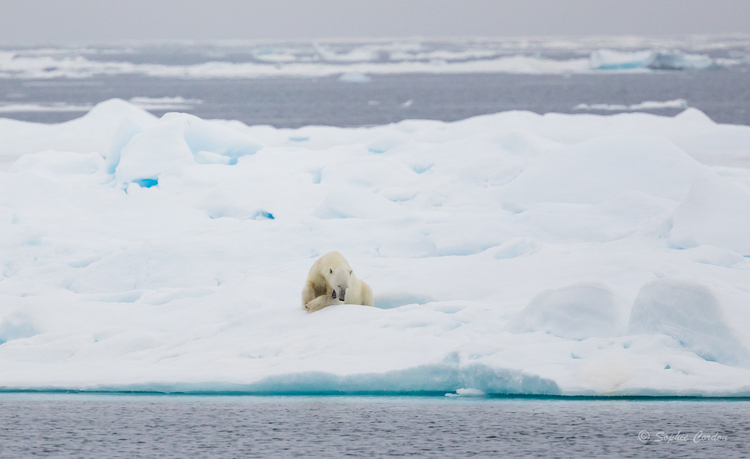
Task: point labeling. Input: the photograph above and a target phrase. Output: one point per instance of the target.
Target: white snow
(46, 67)
(9, 107)
(508, 253)
(305, 59)
(710, 214)
(690, 313)
(657, 59)
(165, 103)
(647, 105)
(578, 311)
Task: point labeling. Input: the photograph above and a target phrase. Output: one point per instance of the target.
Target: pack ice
(512, 253)
(657, 59)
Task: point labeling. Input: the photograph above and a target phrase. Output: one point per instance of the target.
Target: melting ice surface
(509, 253)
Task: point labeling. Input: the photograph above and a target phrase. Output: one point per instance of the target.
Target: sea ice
(691, 314)
(711, 214)
(578, 311)
(606, 59)
(343, 59)
(660, 59)
(647, 105)
(165, 103)
(678, 60)
(508, 253)
(355, 78)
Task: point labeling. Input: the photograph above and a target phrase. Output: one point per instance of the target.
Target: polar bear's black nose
(334, 294)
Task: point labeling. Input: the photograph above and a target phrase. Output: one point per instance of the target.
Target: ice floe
(679, 104)
(508, 253)
(341, 58)
(659, 59)
(165, 103)
(43, 107)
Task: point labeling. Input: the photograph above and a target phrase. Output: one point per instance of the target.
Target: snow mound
(94, 132)
(16, 326)
(514, 248)
(578, 312)
(59, 163)
(604, 168)
(177, 141)
(716, 212)
(349, 202)
(714, 256)
(691, 314)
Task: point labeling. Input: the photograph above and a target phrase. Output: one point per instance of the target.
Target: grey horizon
(92, 21)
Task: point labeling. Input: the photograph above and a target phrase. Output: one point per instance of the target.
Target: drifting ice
(648, 105)
(508, 253)
(606, 59)
(356, 64)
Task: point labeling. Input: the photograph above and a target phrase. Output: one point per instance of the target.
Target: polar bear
(332, 281)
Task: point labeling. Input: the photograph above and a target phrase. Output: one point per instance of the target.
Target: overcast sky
(95, 21)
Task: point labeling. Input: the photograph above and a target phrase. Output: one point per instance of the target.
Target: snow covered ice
(647, 105)
(508, 253)
(359, 60)
(659, 59)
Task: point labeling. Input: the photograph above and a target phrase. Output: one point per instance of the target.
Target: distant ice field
(372, 83)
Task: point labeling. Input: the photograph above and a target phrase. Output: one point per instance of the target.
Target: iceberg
(512, 253)
(680, 104)
(607, 59)
(660, 59)
(678, 60)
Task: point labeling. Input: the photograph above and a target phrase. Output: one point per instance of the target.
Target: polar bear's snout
(339, 280)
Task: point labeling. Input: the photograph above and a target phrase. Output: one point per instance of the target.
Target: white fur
(331, 274)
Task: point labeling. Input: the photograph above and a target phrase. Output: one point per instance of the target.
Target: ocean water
(298, 84)
(724, 95)
(133, 426)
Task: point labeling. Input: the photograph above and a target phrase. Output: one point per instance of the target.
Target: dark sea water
(134, 426)
(230, 81)
(723, 94)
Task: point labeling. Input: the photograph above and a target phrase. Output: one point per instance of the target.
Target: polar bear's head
(339, 277)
